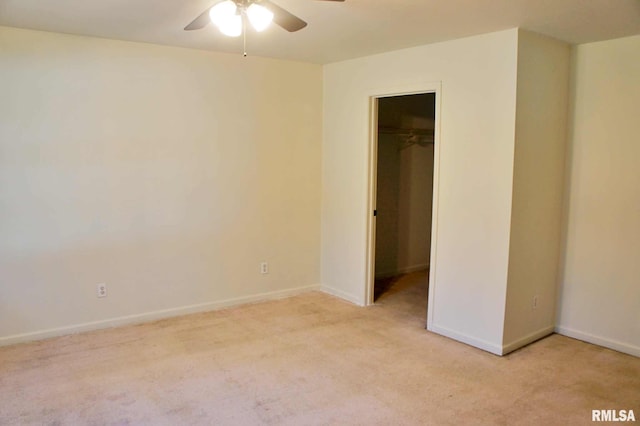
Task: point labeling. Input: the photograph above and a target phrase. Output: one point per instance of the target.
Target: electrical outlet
(534, 303)
(264, 268)
(101, 290)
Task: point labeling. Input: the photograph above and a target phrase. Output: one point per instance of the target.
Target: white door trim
(373, 96)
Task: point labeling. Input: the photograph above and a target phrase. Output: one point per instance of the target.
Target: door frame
(374, 96)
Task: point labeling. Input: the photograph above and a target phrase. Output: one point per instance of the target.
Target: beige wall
(414, 221)
(600, 293)
(169, 174)
(478, 81)
(538, 188)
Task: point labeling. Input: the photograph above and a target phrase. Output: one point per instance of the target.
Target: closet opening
(403, 188)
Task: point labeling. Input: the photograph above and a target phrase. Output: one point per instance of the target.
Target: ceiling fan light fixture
(259, 16)
(225, 16)
(232, 27)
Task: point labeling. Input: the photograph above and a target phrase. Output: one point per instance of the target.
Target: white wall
(416, 194)
(171, 173)
(538, 188)
(600, 293)
(477, 123)
(167, 173)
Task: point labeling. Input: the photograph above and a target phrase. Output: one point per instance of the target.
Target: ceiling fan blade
(284, 18)
(200, 22)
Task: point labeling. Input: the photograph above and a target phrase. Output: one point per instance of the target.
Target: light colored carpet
(308, 360)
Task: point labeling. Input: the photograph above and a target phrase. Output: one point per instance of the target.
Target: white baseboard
(400, 271)
(599, 340)
(469, 340)
(342, 295)
(153, 316)
(537, 335)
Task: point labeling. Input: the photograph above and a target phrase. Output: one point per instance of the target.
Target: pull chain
(244, 38)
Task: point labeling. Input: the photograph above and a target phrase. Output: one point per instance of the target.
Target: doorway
(403, 199)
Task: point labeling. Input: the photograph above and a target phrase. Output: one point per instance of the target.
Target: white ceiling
(336, 31)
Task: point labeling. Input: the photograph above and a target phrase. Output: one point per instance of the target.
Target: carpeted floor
(308, 360)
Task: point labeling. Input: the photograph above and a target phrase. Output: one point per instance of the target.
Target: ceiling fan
(230, 16)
